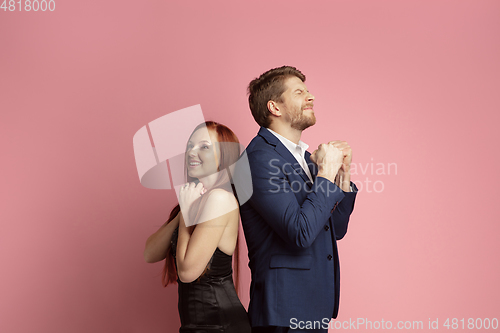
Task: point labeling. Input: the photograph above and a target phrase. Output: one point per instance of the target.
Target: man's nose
(310, 97)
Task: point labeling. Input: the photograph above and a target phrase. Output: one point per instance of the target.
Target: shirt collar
(291, 146)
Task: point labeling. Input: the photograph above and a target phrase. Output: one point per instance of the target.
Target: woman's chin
(200, 173)
(197, 175)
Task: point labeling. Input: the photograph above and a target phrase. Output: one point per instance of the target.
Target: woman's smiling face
(202, 153)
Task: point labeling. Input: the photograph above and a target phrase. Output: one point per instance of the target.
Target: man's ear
(274, 108)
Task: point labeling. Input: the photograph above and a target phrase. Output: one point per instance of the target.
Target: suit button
(330, 257)
(327, 227)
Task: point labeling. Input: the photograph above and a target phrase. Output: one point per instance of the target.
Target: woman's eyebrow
(200, 141)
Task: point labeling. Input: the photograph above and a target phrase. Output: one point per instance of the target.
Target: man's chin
(305, 123)
(313, 120)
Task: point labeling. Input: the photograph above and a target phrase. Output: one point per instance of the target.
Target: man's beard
(299, 121)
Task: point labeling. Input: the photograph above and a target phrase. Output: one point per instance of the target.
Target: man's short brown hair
(270, 86)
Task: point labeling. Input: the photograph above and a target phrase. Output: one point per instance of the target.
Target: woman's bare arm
(158, 244)
(195, 249)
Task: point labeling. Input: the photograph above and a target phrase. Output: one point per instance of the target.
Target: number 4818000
(29, 5)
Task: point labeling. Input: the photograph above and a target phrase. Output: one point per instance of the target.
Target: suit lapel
(286, 154)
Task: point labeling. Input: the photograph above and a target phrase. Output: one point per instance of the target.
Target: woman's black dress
(210, 304)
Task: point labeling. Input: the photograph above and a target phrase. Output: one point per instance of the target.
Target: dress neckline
(217, 249)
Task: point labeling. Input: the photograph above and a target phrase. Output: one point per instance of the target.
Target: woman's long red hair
(229, 154)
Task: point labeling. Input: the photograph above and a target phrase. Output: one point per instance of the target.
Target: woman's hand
(188, 194)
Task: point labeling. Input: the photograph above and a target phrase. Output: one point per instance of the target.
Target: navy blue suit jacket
(291, 226)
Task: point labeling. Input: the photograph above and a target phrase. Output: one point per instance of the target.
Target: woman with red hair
(201, 236)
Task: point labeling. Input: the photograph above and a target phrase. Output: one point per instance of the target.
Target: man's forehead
(294, 82)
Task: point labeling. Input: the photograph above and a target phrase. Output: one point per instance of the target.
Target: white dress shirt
(298, 151)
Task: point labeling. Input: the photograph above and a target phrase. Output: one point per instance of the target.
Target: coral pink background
(413, 83)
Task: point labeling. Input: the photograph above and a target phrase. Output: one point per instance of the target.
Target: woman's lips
(193, 164)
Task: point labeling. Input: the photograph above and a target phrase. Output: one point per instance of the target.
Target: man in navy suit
(300, 206)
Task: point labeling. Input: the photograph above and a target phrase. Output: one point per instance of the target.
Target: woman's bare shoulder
(219, 203)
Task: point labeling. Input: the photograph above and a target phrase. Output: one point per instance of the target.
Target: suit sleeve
(342, 212)
(274, 199)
